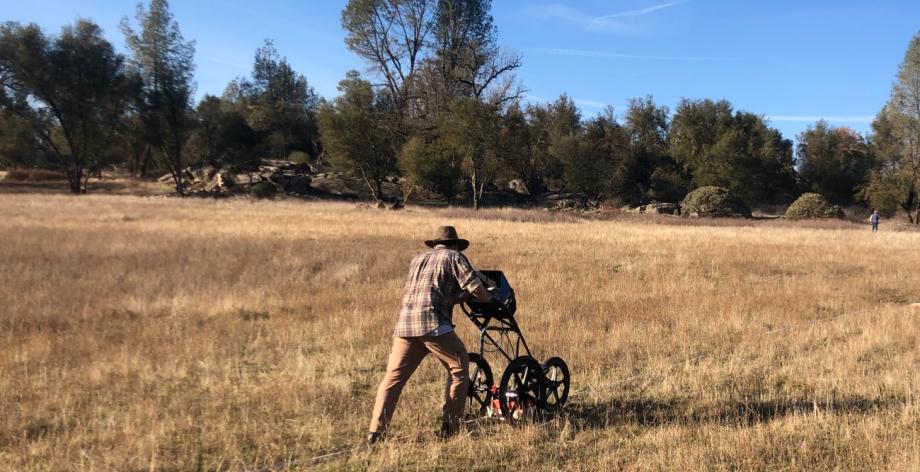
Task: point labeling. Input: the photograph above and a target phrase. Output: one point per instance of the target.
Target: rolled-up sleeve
(467, 276)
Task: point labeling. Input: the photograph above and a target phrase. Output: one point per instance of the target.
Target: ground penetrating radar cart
(527, 388)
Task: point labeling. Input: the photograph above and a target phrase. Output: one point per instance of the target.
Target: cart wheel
(479, 394)
(520, 392)
(556, 383)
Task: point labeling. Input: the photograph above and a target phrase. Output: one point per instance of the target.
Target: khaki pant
(407, 354)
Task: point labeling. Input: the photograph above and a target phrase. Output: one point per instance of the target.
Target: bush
(266, 189)
(714, 202)
(812, 205)
(34, 175)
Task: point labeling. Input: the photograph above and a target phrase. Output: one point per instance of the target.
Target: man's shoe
(374, 438)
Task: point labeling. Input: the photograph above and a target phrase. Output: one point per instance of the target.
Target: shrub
(812, 205)
(34, 175)
(714, 202)
(266, 189)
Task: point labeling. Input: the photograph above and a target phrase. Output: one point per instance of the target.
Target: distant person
(874, 220)
(438, 280)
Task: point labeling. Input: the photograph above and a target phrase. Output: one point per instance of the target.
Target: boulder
(203, 174)
(298, 185)
(654, 209)
(519, 187)
(265, 190)
(564, 196)
(332, 183)
(278, 163)
(291, 182)
(221, 182)
(188, 175)
(575, 204)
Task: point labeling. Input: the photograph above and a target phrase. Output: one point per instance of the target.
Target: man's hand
(481, 294)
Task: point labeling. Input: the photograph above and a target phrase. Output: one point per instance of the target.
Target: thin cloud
(537, 98)
(228, 63)
(814, 118)
(583, 102)
(587, 103)
(644, 11)
(617, 55)
(609, 22)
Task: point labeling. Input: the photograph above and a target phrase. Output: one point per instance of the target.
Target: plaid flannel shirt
(436, 282)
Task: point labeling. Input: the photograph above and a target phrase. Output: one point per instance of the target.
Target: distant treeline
(445, 111)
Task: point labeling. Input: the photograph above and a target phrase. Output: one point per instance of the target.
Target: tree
(716, 146)
(513, 150)
(551, 127)
(470, 132)
(165, 63)
(280, 103)
(646, 171)
(592, 156)
(19, 145)
(72, 89)
(468, 56)
(431, 165)
(896, 178)
(392, 36)
(222, 137)
(356, 133)
(833, 162)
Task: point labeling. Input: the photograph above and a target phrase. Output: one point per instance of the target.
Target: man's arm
(474, 284)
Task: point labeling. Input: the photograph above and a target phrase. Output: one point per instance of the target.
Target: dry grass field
(163, 334)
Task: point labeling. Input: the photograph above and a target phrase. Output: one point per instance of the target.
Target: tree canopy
(439, 109)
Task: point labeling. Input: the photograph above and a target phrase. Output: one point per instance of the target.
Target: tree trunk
(909, 205)
(408, 193)
(473, 183)
(146, 162)
(176, 171)
(379, 188)
(177, 182)
(75, 179)
(175, 163)
(86, 175)
(376, 192)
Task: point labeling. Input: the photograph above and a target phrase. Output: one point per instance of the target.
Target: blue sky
(793, 61)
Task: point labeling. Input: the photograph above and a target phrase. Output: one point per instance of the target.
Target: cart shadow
(648, 412)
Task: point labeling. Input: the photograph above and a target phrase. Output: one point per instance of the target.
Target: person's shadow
(737, 412)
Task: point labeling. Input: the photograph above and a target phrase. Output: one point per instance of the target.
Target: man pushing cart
(438, 280)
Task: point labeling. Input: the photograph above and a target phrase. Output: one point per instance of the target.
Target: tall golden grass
(166, 334)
